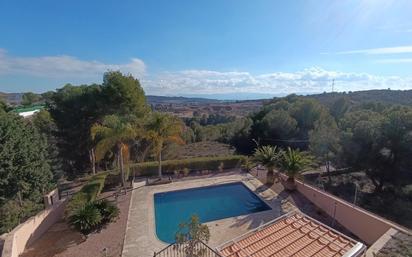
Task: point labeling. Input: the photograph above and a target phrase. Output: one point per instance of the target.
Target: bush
(186, 172)
(109, 211)
(193, 164)
(86, 214)
(78, 201)
(87, 218)
(94, 187)
(93, 215)
(87, 194)
(12, 213)
(9, 216)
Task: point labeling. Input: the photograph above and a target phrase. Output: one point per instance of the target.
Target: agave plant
(109, 211)
(268, 156)
(87, 218)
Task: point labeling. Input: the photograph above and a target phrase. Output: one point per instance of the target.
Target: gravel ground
(61, 241)
(399, 246)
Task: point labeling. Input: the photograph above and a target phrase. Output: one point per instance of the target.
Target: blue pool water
(209, 203)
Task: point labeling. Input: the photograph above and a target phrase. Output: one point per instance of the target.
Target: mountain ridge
(386, 96)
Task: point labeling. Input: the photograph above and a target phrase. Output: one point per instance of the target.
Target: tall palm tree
(268, 156)
(161, 129)
(294, 162)
(114, 132)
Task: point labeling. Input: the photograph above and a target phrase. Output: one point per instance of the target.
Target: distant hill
(11, 98)
(403, 97)
(387, 96)
(152, 99)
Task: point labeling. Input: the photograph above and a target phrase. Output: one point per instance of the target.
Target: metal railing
(188, 249)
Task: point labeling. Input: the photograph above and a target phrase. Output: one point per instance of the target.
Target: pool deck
(141, 240)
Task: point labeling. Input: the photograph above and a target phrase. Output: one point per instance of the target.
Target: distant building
(29, 111)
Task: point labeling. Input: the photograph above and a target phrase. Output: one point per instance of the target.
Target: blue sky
(208, 47)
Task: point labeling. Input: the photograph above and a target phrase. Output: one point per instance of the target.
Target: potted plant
(186, 172)
(293, 163)
(268, 156)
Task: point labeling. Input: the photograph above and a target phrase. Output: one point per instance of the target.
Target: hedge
(193, 164)
(88, 193)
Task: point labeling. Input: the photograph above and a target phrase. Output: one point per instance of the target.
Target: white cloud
(63, 66)
(312, 80)
(383, 50)
(65, 69)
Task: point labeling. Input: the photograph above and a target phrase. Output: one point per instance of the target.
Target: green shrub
(94, 187)
(9, 216)
(78, 201)
(86, 214)
(109, 211)
(87, 194)
(193, 164)
(12, 213)
(186, 172)
(87, 218)
(93, 215)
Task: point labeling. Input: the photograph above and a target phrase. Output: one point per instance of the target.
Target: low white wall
(368, 226)
(31, 230)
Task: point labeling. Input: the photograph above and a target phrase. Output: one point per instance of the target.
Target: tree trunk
(160, 164)
(19, 198)
(92, 157)
(328, 169)
(121, 166)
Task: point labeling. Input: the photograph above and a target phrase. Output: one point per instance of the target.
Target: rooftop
(293, 234)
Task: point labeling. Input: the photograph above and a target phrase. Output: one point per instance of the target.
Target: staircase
(198, 249)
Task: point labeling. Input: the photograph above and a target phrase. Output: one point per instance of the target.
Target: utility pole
(333, 85)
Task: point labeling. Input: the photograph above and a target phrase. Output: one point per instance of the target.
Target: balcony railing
(188, 249)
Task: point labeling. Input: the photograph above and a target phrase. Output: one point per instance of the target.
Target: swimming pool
(209, 203)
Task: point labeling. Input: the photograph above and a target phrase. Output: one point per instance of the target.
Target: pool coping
(213, 185)
(141, 237)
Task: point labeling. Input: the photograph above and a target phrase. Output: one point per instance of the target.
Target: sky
(236, 48)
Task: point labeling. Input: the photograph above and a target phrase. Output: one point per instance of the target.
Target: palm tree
(293, 163)
(247, 163)
(114, 132)
(268, 156)
(161, 129)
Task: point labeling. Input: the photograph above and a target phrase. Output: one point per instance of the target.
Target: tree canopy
(30, 98)
(75, 109)
(25, 172)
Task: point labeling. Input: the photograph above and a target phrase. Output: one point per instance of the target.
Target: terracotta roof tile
(292, 235)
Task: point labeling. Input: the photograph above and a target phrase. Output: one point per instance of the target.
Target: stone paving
(141, 240)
